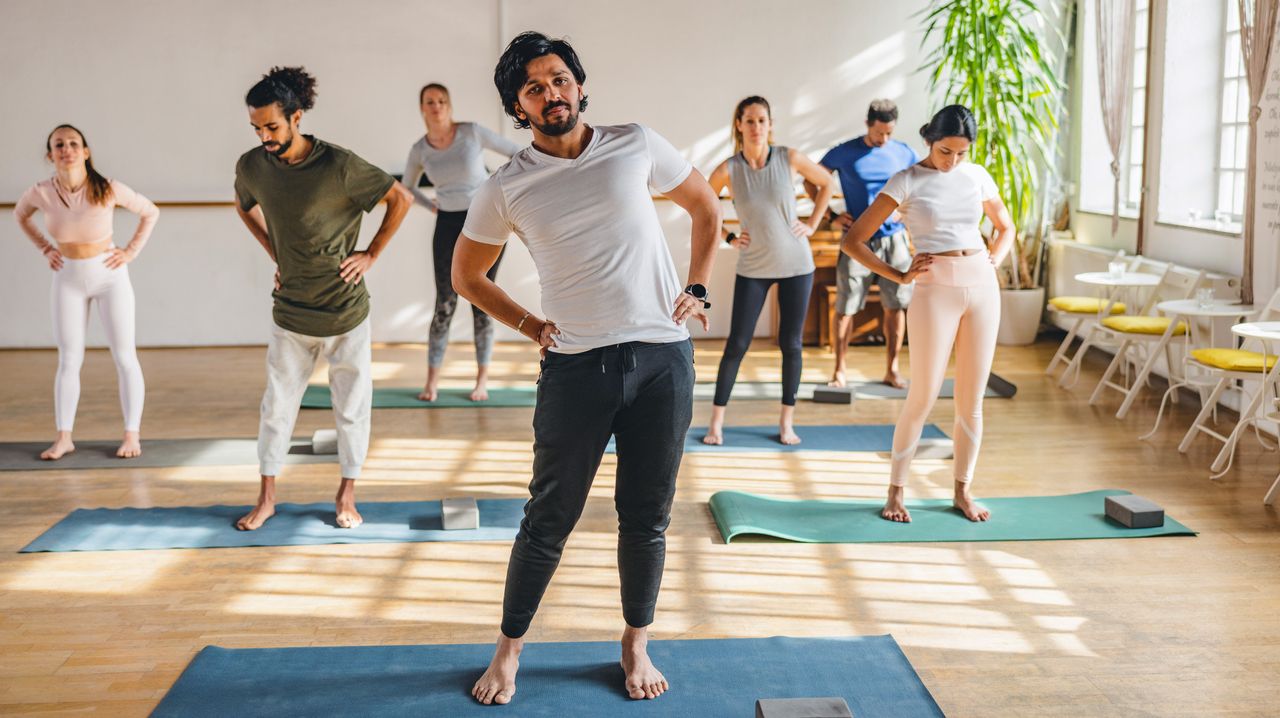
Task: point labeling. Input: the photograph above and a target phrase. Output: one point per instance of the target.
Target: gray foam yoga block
(802, 708)
(935, 449)
(833, 394)
(324, 441)
(1134, 512)
(460, 513)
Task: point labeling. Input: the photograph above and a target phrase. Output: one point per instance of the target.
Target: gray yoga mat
(131, 529)
(709, 678)
(25, 456)
(841, 437)
(997, 388)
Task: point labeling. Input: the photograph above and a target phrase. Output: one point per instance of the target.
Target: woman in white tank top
(943, 201)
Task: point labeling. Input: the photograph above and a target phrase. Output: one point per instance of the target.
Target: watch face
(697, 290)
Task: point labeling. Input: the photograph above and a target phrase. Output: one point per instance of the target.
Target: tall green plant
(994, 57)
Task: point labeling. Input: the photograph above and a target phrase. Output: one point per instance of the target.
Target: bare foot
(788, 435)
(254, 520)
(480, 393)
(644, 680)
(965, 504)
(714, 437)
(427, 394)
(837, 380)
(345, 505)
(131, 446)
(61, 447)
(894, 380)
(498, 684)
(895, 507)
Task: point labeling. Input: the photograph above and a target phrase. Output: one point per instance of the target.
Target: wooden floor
(1165, 626)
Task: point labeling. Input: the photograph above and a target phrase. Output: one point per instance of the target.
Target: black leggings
(448, 227)
(748, 299)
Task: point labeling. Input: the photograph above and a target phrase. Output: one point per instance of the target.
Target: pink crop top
(71, 219)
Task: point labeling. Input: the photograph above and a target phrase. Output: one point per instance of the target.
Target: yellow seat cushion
(1143, 325)
(1084, 305)
(1232, 359)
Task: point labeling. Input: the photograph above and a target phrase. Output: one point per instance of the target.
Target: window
(1233, 130)
(1132, 196)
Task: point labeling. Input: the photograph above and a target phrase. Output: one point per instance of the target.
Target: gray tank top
(765, 200)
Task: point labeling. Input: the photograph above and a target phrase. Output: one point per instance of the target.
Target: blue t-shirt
(863, 170)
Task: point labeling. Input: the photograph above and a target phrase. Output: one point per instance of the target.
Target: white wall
(162, 104)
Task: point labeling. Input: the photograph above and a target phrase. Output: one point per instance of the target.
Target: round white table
(1111, 286)
(1191, 308)
(1267, 333)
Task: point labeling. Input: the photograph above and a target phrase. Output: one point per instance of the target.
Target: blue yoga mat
(844, 437)
(709, 679)
(293, 525)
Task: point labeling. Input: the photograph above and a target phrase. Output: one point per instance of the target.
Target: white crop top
(942, 210)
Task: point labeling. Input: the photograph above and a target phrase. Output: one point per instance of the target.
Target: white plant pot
(1020, 311)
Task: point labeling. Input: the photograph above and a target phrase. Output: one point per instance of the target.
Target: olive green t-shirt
(313, 211)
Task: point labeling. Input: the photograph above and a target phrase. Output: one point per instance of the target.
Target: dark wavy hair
(951, 121)
(293, 88)
(510, 74)
(883, 110)
(99, 187)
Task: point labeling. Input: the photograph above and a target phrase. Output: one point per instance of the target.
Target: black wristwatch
(728, 239)
(699, 292)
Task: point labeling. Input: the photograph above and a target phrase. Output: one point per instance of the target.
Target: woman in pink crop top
(78, 205)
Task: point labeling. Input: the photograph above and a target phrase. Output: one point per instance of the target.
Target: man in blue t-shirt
(864, 164)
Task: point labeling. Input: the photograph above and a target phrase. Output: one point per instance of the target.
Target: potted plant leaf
(1004, 60)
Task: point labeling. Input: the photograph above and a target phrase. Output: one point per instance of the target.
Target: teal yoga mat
(1028, 518)
(403, 397)
(813, 437)
(709, 679)
(293, 525)
(25, 456)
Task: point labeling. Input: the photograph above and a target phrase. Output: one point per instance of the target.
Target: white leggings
(79, 282)
(956, 301)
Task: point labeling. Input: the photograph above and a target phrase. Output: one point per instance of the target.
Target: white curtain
(1115, 23)
(1258, 23)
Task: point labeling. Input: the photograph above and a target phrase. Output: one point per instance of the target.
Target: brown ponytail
(99, 187)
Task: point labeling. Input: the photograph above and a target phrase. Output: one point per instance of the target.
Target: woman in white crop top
(78, 205)
(943, 201)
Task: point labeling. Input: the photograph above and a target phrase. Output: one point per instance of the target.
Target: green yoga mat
(1026, 518)
(404, 397)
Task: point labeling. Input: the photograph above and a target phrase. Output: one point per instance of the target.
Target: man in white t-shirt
(617, 360)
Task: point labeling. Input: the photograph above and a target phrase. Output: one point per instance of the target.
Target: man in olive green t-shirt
(303, 200)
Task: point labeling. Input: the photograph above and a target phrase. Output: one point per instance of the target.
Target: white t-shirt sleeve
(487, 218)
(986, 185)
(667, 167)
(898, 188)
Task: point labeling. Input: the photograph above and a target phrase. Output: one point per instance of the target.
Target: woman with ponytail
(78, 205)
(452, 156)
(773, 248)
(942, 201)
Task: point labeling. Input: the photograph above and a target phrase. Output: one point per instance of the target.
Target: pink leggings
(956, 301)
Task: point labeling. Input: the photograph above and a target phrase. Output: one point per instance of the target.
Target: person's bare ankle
(498, 683)
(643, 679)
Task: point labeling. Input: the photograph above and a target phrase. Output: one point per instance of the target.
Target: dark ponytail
(99, 187)
(951, 121)
(293, 88)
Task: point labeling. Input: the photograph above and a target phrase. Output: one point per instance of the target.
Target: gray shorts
(853, 281)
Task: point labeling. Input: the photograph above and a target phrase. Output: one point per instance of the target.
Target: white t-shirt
(942, 210)
(605, 270)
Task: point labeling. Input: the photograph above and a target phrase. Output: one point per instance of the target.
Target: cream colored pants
(956, 302)
(291, 358)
